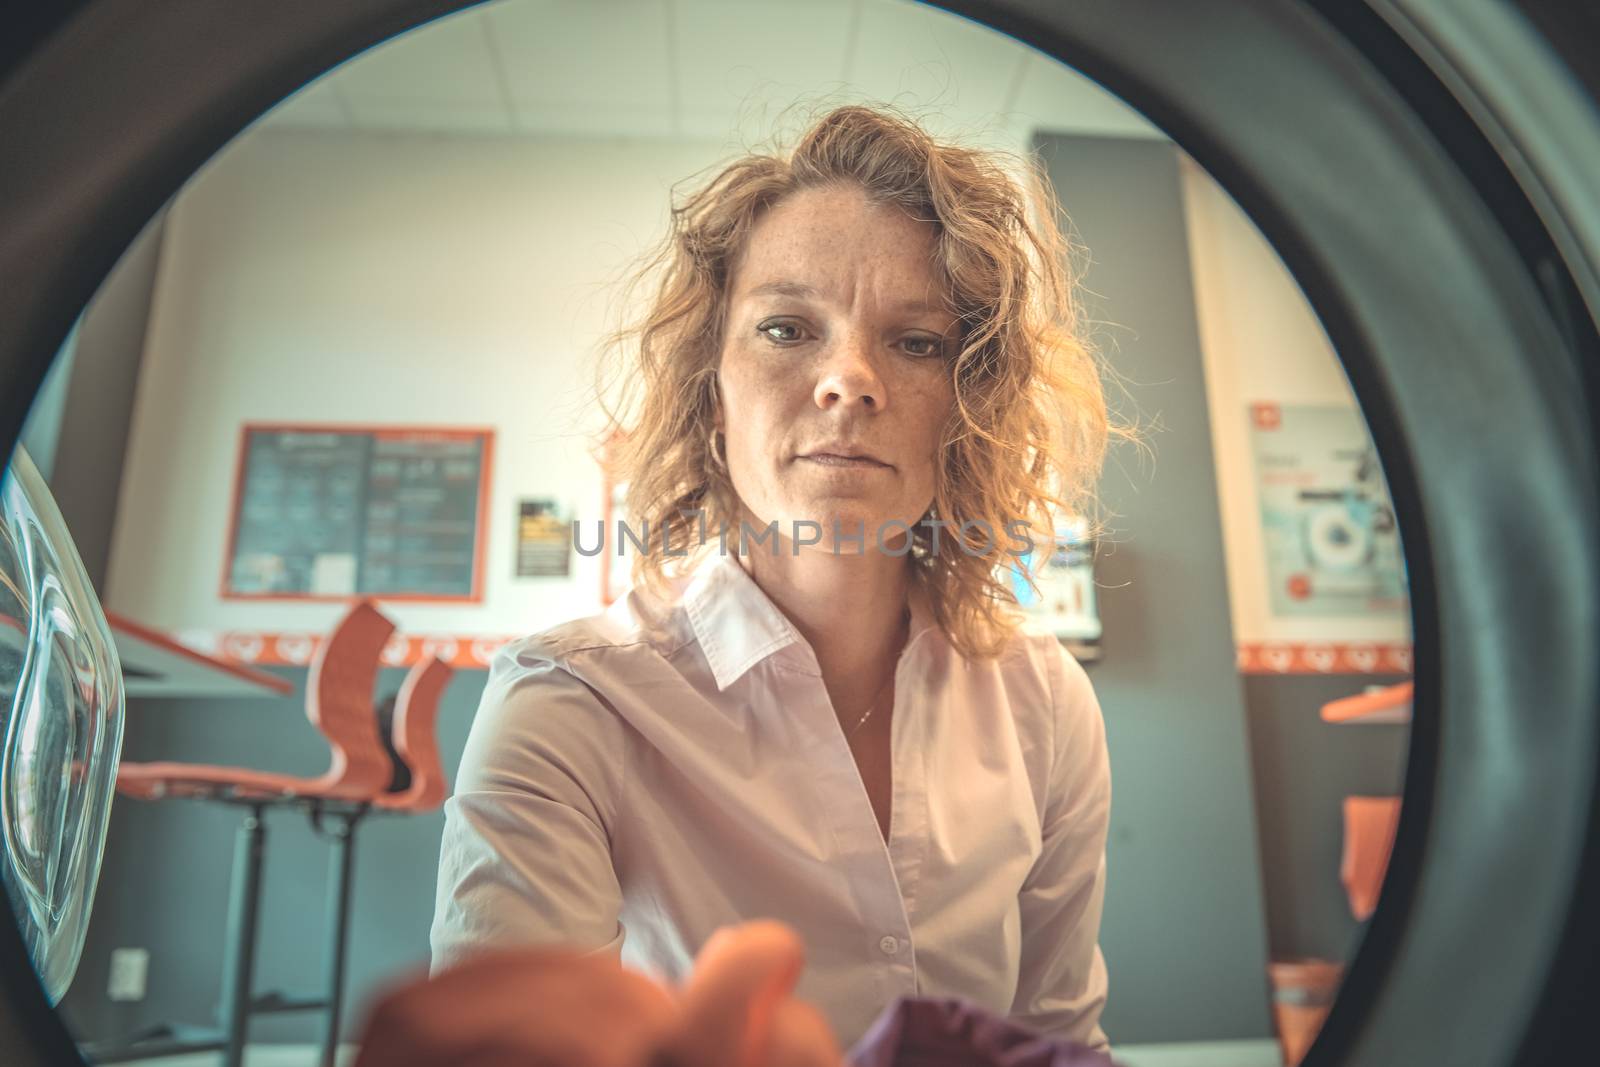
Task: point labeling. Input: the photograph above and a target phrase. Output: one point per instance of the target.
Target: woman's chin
(833, 525)
(855, 533)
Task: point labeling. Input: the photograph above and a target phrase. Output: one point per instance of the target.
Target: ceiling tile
(745, 69)
(932, 62)
(446, 62)
(1054, 96)
(734, 57)
(316, 105)
(430, 116)
(547, 120)
(575, 55)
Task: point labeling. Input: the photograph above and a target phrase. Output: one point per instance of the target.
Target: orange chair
(1302, 994)
(415, 740)
(1369, 826)
(1303, 990)
(1379, 704)
(413, 743)
(339, 704)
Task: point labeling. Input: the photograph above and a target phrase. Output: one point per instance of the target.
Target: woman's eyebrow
(806, 292)
(794, 289)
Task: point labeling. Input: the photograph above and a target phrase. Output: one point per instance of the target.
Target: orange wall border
(1324, 657)
(296, 648)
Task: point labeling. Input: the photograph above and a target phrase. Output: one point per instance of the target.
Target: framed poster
(1328, 534)
(544, 540)
(1065, 604)
(331, 512)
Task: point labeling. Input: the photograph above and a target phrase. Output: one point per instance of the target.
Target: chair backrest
(339, 700)
(400, 772)
(416, 714)
(1369, 828)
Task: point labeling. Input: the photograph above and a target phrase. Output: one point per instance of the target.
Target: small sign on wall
(544, 540)
(330, 512)
(1328, 533)
(1065, 603)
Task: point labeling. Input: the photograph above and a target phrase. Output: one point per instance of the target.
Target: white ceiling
(717, 70)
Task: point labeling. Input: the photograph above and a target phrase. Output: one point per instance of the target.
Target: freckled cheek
(760, 405)
(754, 433)
(752, 373)
(934, 405)
(770, 380)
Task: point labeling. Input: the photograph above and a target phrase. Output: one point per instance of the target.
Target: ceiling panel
(770, 117)
(726, 71)
(317, 105)
(934, 63)
(447, 62)
(430, 116)
(1054, 96)
(564, 57)
(597, 121)
(733, 56)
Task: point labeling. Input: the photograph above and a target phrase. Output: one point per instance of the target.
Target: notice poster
(544, 540)
(1065, 602)
(1328, 533)
(339, 512)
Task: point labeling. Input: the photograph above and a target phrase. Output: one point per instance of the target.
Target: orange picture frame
(412, 433)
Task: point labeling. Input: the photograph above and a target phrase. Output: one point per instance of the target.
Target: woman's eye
(779, 331)
(923, 346)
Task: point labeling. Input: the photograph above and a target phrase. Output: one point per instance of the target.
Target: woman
(862, 357)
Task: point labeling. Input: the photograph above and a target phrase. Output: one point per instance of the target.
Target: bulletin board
(331, 512)
(1065, 602)
(544, 539)
(1330, 543)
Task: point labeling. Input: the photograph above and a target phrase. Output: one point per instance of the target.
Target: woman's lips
(828, 459)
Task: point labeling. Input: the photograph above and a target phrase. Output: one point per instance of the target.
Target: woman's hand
(557, 1008)
(736, 1008)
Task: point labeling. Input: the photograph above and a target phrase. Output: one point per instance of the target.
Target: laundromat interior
(300, 309)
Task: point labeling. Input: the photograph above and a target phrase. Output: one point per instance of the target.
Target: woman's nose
(849, 375)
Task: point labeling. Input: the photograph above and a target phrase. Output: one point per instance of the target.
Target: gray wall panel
(1184, 931)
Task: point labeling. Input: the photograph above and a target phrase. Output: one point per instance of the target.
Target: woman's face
(836, 344)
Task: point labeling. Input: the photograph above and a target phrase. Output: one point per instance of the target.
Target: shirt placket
(908, 825)
(871, 865)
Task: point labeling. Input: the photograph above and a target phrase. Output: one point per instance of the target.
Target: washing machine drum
(1426, 169)
(61, 724)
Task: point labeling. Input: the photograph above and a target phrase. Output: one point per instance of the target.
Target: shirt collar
(738, 625)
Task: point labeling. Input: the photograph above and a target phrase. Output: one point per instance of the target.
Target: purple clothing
(952, 1032)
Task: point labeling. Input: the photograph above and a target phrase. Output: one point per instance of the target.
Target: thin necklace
(905, 619)
(870, 708)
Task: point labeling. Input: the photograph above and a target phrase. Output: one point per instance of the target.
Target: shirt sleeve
(1061, 986)
(525, 858)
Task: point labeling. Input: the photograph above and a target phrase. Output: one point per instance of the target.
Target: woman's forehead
(818, 242)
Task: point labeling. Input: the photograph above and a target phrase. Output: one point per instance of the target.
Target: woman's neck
(848, 607)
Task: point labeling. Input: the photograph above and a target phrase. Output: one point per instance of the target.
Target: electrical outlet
(128, 969)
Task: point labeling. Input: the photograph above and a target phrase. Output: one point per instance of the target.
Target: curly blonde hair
(1029, 427)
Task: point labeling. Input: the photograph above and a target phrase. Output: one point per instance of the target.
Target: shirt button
(889, 946)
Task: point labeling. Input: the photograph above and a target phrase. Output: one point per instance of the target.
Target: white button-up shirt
(636, 779)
